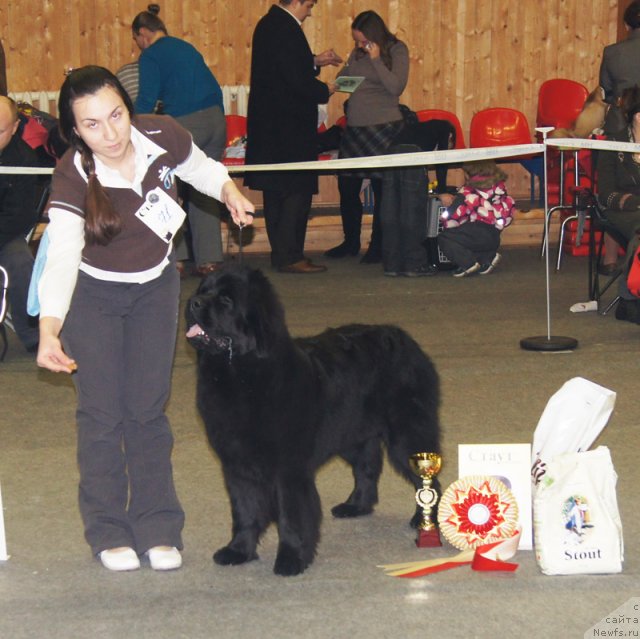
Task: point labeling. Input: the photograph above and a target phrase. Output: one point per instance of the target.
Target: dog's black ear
(265, 314)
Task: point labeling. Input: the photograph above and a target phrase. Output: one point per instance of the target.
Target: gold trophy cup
(426, 466)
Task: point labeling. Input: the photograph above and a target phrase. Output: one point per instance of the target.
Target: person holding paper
(374, 120)
(109, 295)
(282, 123)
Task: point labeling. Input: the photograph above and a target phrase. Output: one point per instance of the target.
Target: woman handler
(109, 294)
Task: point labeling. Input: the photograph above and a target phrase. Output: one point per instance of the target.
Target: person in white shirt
(109, 294)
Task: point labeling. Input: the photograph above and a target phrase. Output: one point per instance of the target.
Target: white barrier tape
(26, 170)
(587, 143)
(421, 158)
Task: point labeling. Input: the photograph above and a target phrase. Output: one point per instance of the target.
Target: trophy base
(428, 538)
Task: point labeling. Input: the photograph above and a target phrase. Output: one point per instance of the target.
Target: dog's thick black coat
(277, 408)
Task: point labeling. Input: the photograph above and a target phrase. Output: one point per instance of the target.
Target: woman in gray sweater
(374, 120)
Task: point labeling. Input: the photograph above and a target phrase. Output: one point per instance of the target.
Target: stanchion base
(544, 343)
(428, 538)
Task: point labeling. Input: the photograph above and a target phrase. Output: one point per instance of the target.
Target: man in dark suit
(620, 67)
(282, 122)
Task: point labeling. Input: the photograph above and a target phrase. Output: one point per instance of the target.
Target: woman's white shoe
(120, 559)
(164, 558)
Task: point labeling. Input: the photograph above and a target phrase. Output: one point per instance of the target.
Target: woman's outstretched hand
(50, 353)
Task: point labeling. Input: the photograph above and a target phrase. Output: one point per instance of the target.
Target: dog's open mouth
(198, 334)
(199, 338)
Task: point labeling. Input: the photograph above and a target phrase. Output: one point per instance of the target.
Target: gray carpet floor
(493, 392)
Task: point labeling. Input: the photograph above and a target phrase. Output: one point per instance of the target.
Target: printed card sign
(348, 83)
(511, 464)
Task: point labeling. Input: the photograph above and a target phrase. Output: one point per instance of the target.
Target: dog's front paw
(343, 511)
(227, 556)
(288, 562)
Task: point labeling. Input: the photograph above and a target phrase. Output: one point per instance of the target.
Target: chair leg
(532, 195)
(548, 215)
(561, 238)
(593, 263)
(581, 216)
(611, 305)
(595, 259)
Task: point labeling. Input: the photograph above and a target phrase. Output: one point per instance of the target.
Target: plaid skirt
(363, 141)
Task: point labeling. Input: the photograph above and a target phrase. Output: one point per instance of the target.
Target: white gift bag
(576, 524)
(572, 419)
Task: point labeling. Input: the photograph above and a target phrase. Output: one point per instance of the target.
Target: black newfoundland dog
(277, 408)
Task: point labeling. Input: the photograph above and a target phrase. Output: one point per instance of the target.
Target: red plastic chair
(440, 114)
(236, 128)
(560, 102)
(501, 126)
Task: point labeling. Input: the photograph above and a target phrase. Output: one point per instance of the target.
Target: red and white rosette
(477, 510)
(479, 515)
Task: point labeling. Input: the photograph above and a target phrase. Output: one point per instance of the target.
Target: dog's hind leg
(299, 517)
(366, 464)
(251, 514)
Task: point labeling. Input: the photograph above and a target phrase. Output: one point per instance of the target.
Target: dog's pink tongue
(194, 331)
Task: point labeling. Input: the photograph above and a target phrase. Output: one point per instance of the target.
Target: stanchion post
(547, 342)
(3, 539)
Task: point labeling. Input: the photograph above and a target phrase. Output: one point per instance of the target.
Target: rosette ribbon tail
(490, 557)
(422, 568)
(493, 556)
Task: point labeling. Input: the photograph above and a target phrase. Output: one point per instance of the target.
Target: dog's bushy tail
(413, 417)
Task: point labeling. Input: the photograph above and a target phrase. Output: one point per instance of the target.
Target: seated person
(35, 128)
(19, 196)
(474, 219)
(618, 182)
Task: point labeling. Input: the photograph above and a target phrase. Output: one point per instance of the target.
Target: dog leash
(240, 227)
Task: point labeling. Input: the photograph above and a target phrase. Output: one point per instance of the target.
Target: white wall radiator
(46, 101)
(235, 98)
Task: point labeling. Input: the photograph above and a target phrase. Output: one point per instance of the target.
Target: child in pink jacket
(474, 219)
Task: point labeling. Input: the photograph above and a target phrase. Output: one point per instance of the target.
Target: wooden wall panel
(465, 54)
